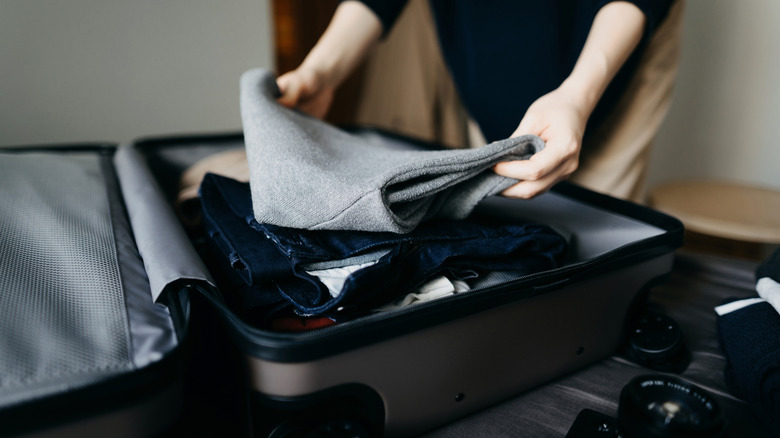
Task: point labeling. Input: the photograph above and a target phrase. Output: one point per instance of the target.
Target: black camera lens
(656, 342)
(666, 406)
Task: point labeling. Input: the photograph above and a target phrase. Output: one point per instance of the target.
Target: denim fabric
(273, 259)
(234, 254)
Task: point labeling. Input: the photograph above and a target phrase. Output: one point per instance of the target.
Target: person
(555, 69)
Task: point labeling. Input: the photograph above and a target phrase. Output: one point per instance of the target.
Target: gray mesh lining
(62, 313)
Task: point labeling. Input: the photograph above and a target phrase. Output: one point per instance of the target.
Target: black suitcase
(404, 372)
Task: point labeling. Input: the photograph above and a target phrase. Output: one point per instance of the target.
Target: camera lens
(666, 406)
(656, 342)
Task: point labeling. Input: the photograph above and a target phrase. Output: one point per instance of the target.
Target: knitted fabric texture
(305, 173)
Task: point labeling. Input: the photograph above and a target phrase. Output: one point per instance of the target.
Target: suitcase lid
(167, 253)
(77, 316)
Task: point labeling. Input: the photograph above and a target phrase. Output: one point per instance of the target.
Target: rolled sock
(305, 173)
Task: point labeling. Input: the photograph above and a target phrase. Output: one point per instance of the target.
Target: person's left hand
(560, 121)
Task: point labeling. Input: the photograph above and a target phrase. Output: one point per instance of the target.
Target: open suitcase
(398, 373)
(403, 372)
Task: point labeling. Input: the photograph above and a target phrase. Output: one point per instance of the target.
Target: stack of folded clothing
(271, 271)
(749, 332)
(334, 224)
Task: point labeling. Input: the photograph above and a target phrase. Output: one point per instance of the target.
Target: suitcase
(403, 372)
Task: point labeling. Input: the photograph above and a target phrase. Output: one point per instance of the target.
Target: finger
(532, 189)
(557, 151)
(532, 169)
(291, 90)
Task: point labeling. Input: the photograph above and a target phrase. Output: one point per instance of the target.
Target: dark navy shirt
(505, 54)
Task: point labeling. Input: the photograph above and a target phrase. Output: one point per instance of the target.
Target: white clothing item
(441, 286)
(736, 305)
(437, 287)
(769, 290)
(334, 278)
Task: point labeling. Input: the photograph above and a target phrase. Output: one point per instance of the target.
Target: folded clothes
(749, 334)
(438, 287)
(274, 262)
(231, 163)
(307, 174)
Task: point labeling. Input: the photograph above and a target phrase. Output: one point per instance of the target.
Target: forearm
(352, 32)
(615, 33)
(560, 117)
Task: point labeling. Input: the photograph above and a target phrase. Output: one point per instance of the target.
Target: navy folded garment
(750, 338)
(307, 174)
(274, 260)
(231, 254)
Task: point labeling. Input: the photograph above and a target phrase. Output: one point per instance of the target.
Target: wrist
(318, 75)
(584, 87)
(582, 96)
(352, 32)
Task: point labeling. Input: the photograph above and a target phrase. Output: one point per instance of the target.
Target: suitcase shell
(403, 372)
(84, 350)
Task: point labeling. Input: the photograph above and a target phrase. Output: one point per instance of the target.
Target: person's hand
(352, 32)
(559, 120)
(305, 89)
(559, 117)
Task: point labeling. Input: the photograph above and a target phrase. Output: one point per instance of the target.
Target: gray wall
(82, 70)
(114, 70)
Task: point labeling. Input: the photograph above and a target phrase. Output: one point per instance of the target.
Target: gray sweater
(306, 173)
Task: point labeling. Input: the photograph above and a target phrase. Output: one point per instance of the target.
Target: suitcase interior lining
(75, 307)
(590, 231)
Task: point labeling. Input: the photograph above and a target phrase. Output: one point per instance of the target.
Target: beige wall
(726, 113)
(81, 70)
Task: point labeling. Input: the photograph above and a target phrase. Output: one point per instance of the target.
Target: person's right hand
(305, 89)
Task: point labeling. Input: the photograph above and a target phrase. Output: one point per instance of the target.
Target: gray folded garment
(305, 173)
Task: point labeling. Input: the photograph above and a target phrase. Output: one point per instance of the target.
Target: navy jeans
(271, 261)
